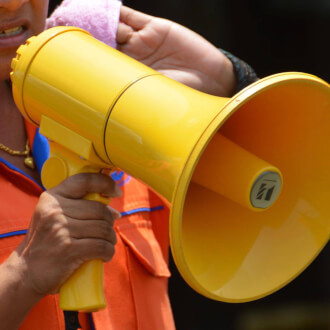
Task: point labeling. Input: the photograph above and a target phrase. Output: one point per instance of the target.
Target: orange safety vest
(135, 280)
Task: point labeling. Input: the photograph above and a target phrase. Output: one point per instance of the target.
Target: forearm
(16, 297)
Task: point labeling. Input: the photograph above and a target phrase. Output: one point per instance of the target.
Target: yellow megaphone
(248, 178)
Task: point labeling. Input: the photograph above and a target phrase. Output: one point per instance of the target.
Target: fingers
(124, 33)
(92, 229)
(134, 19)
(91, 239)
(82, 219)
(67, 230)
(83, 209)
(130, 21)
(79, 185)
(87, 234)
(90, 249)
(141, 36)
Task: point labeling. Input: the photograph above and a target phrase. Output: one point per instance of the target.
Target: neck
(6, 100)
(12, 129)
(11, 124)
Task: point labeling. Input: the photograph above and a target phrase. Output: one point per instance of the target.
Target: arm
(16, 296)
(65, 232)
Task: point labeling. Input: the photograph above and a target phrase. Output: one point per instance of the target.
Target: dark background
(272, 36)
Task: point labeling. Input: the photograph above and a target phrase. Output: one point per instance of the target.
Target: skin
(82, 230)
(32, 15)
(176, 52)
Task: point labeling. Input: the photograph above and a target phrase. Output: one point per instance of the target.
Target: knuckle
(113, 237)
(59, 234)
(101, 246)
(65, 242)
(105, 249)
(47, 207)
(77, 178)
(46, 216)
(110, 254)
(109, 233)
(79, 181)
(105, 228)
(101, 211)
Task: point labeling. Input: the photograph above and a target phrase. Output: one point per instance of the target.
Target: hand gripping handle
(83, 291)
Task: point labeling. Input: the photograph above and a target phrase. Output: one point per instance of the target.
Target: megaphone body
(247, 178)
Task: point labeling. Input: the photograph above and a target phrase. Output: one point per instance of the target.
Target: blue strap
(13, 233)
(142, 209)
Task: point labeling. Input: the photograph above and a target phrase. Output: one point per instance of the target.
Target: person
(46, 235)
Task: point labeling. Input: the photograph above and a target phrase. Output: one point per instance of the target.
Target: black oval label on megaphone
(265, 190)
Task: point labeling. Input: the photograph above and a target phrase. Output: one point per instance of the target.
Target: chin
(5, 75)
(5, 68)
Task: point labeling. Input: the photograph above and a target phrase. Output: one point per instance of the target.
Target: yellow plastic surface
(61, 94)
(237, 183)
(222, 247)
(116, 112)
(228, 252)
(74, 79)
(83, 291)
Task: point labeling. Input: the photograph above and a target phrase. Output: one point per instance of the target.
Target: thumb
(124, 33)
(79, 185)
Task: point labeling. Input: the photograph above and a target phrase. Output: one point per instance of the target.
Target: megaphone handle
(83, 291)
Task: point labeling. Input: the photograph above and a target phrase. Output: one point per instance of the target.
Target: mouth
(12, 32)
(12, 35)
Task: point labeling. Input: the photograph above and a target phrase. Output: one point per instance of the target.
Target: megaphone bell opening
(225, 249)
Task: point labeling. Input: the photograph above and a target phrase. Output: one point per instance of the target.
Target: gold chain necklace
(28, 161)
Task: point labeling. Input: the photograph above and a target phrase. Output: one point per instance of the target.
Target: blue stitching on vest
(130, 212)
(16, 169)
(13, 233)
(142, 209)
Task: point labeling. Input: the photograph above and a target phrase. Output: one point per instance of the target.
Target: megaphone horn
(247, 177)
